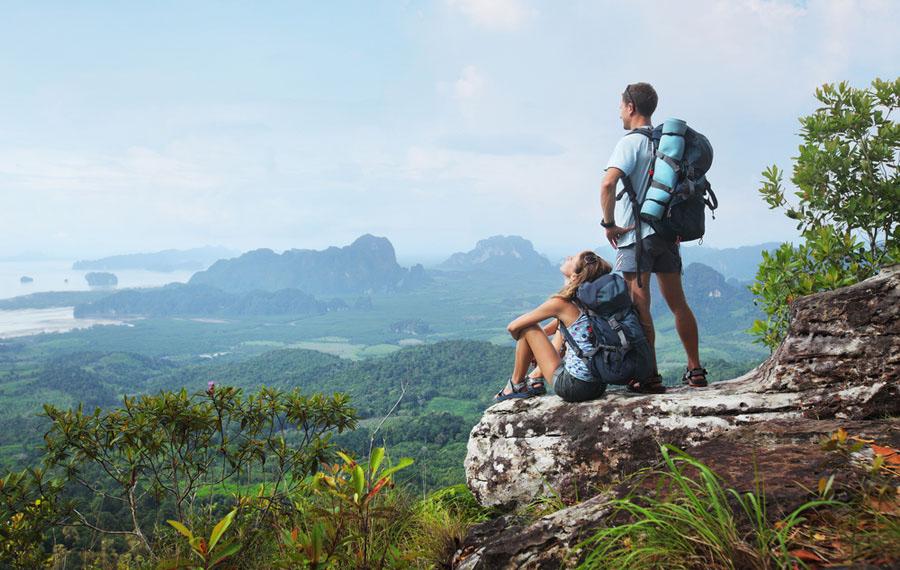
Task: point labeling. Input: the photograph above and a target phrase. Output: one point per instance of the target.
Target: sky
(140, 126)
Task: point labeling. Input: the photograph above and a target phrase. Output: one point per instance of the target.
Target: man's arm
(608, 203)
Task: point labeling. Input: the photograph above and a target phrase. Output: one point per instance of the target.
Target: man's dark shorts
(572, 389)
(657, 256)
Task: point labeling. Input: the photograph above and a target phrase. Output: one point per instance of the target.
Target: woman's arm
(558, 342)
(551, 327)
(551, 308)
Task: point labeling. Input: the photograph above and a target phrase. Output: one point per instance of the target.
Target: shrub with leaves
(847, 180)
(180, 447)
(204, 552)
(351, 518)
(29, 505)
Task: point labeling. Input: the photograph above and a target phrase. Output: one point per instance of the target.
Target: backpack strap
(711, 201)
(617, 328)
(570, 340)
(614, 324)
(585, 357)
(635, 209)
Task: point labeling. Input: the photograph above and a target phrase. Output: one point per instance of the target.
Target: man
(633, 158)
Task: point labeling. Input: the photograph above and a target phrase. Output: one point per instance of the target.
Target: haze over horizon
(141, 127)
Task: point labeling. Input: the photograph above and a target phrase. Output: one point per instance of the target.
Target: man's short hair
(643, 96)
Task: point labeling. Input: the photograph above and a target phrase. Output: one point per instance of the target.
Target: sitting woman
(570, 379)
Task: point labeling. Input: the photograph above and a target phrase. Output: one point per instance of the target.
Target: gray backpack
(619, 350)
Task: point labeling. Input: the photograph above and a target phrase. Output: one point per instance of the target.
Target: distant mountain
(178, 300)
(718, 305)
(163, 261)
(367, 265)
(499, 253)
(738, 263)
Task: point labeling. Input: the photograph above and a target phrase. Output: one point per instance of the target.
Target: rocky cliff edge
(839, 365)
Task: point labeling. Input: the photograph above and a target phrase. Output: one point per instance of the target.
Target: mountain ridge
(499, 253)
(367, 265)
(164, 261)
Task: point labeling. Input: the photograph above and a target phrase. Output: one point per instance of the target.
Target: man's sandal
(695, 377)
(520, 390)
(650, 385)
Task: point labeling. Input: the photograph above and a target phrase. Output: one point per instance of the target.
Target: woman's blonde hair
(589, 267)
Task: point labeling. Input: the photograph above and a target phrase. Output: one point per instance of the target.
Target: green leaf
(405, 462)
(375, 460)
(346, 458)
(358, 480)
(221, 527)
(182, 529)
(315, 542)
(227, 550)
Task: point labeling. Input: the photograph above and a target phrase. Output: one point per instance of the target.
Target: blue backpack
(619, 350)
(685, 216)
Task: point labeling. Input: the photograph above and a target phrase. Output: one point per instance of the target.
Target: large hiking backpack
(684, 218)
(619, 350)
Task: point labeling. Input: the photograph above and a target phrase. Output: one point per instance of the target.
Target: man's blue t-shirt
(633, 155)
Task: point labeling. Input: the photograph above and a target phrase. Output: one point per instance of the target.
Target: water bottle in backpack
(665, 170)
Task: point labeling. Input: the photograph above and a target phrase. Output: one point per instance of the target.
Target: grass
(690, 524)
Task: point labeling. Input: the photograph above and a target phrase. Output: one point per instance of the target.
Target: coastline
(29, 322)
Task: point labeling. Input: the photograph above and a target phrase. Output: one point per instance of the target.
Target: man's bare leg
(640, 296)
(685, 324)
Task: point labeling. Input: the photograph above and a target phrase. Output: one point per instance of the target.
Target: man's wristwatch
(606, 224)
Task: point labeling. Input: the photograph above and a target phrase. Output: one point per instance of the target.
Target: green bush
(178, 452)
(847, 180)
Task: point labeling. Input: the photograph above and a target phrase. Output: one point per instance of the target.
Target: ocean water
(59, 276)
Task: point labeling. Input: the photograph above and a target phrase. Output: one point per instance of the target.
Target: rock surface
(838, 367)
(785, 454)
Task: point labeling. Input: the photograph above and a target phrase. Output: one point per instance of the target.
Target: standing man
(633, 158)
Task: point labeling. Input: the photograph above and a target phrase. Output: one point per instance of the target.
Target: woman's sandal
(695, 377)
(650, 385)
(520, 390)
(537, 385)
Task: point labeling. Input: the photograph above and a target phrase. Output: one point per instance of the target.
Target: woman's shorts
(572, 389)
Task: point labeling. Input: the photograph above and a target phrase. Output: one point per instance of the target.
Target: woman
(570, 380)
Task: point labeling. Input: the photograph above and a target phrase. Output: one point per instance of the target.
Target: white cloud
(470, 82)
(419, 159)
(774, 14)
(494, 14)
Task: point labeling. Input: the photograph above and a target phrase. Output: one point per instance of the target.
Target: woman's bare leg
(533, 344)
(557, 341)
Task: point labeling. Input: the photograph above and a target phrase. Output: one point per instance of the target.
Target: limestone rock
(840, 360)
(785, 454)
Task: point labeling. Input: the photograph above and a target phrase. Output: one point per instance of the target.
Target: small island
(25, 279)
(101, 279)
